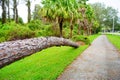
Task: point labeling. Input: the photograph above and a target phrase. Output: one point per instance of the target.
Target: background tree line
(63, 18)
(5, 4)
(104, 15)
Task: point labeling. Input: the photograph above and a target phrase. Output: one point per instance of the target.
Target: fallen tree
(15, 50)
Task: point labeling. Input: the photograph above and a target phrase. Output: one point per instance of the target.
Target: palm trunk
(79, 24)
(55, 27)
(22, 48)
(60, 26)
(71, 26)
(71, 30)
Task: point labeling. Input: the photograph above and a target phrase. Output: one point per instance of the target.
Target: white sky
(22, 9)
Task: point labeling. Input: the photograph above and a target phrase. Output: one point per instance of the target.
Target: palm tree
(60, 11)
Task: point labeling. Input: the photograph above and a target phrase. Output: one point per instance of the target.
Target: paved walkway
(101, 61)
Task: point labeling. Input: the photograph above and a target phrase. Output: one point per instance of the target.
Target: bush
(2, 39)
(21, 20)
(14, 31)
(35, 25)
(45, 31)
(20, 33)
(81, 38)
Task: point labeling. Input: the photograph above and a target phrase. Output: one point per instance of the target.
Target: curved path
(101, 61)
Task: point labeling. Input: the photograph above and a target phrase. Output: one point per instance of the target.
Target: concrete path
(101, 61)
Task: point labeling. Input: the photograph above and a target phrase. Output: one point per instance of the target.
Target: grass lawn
(47, 64)
(115, 40)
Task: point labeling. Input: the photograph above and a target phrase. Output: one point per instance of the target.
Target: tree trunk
(71, 29)
(60, 26)
(15, 50)
(15, 11)
(8, 10)
(79, 25)
(3, 12)
(17, 16)
(71, 26)
(29, 10)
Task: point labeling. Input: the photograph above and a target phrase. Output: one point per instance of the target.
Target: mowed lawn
(47, 64)
(115, 40)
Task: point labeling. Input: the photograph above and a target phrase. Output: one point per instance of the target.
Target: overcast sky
(23, 9)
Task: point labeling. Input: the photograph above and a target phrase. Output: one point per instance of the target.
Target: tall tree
(36, 13)
(3, 11)
(15, 10)
(8, 8)
(29, 10)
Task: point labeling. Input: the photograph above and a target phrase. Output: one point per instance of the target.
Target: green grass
(45, 65)
(115, 40)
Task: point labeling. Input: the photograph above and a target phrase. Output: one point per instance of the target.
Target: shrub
(81, 38)
(20, 33)
(35, 25)
(21, 20)
(14, 31)
(45, 31)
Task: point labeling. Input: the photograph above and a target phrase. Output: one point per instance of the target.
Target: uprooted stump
(15, 50)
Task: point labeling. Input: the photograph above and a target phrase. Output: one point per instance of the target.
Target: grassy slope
(45, 65)
(115, 40)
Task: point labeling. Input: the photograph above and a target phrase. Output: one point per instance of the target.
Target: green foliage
(115, 40)
(46, 30)
(40, 28)
(35, 25)
(45, 65)
(14, 31)
(20, 20)
(81, 38)
(85, 39)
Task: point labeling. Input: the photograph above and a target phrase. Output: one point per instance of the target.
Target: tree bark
(60, 26)
(15, 11)
(29, 10)
(3, 12)
(71, 29)
(16, 16)
(8, 5)
(15, 50)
